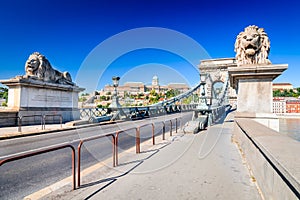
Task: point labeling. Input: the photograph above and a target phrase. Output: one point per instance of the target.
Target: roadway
(23, 177)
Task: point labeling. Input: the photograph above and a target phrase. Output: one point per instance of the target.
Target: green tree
(4, 93)
(82, 99)
(286, 93)
(277, 93)
(153, 93)
(103, 98)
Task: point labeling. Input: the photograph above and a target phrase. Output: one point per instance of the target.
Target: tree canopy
(287, 93)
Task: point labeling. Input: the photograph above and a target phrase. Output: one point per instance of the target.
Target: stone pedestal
(253, 84)
(30, 96)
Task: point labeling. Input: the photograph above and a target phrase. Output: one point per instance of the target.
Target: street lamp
(203, 101)
(115, 80)
(115, 101)
(203, 78)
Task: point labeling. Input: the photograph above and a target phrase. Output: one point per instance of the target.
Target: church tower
(155, 81)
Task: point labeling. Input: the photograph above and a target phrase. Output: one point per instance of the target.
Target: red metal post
(116, 147)
(164, 131)
(138, 141)
(114, 150)
(171, 126)
(78, 163)
(153, 134)
(176, 125)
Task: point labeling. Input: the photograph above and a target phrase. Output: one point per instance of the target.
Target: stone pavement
(201, 166)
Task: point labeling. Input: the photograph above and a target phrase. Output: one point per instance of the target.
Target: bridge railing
(43, 151)
(138, 112)
(112, 135)
(138, 135)
(42, 120)
(53, 116)
(115, 145)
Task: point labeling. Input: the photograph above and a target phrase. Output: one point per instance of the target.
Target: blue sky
(66, 32)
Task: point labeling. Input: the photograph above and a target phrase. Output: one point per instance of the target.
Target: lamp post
(115, 101)
(203, 101)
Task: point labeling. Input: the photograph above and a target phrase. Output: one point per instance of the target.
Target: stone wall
(8, 118)
(272, 157)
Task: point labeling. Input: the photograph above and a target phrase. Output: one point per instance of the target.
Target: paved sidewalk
(7, 132)
(201, 166)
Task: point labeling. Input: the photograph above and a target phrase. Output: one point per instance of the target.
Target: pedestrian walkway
(201, 166)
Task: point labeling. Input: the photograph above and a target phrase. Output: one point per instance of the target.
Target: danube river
(290, 127)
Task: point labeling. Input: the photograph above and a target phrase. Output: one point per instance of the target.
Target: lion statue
(38, 66)
(252, 46)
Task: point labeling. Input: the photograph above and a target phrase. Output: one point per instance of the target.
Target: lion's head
(252, 46)
(32, 64)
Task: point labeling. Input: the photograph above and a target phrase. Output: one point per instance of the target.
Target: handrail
(94, 138)
(138, 139)
(52, 115)
(163, 128)
(117, 142)
(21, 118)
(43, 120)
(45, 150)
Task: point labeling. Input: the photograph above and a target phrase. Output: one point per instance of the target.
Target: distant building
(293, 106)
(286, 105)
(282, 86)
(155, 81)
(139, 87)
(279, 105)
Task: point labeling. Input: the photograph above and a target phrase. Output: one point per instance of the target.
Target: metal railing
(42, 151)
(28, 116)
(53, 116)
(117, 142)
(43, 119)
(95, 138)
(115, 146)
(138, 137)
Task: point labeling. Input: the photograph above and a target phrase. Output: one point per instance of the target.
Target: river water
(290, 127)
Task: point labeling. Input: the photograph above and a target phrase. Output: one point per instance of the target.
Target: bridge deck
(202, 166)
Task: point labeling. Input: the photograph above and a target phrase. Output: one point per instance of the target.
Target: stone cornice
(30, 82)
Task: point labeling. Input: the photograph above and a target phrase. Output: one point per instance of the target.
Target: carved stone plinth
(30, 96)
(253, 84)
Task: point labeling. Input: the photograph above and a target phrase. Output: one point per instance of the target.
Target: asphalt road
(26, 176)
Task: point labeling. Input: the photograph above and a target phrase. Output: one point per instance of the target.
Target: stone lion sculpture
(38, 66)
(252, 46)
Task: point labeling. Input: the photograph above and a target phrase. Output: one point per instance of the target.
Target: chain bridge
(213, 91)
